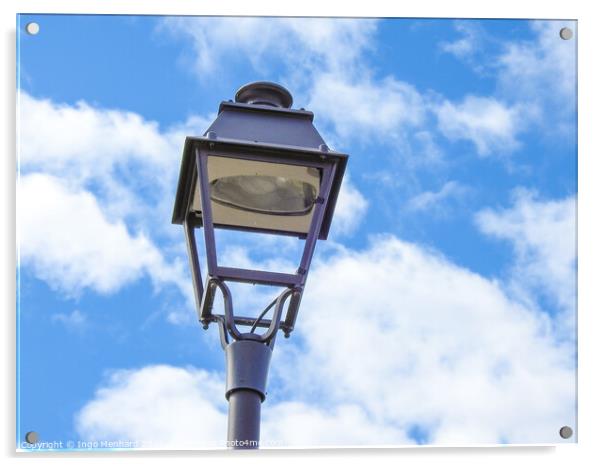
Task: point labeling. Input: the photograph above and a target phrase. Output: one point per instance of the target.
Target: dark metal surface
(228, 322)
(266, 125)
(316, 221)
(244, 417)
(207, 214)
(193, 258)
(247, 365)
(264, 93)
(257, 276)
(207, 304)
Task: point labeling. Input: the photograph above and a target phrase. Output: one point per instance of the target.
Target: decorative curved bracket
(228, 322)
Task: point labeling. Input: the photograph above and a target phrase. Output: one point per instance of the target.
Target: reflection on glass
(272, 195)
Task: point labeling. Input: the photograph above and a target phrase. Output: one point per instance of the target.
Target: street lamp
(260, 167)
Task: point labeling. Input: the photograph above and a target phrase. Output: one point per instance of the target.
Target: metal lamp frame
(260, 126)
(218, 276)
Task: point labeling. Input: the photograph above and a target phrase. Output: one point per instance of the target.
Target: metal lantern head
(263, 167)
(265, 162)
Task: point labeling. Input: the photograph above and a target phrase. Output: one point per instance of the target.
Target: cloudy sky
(441, 310)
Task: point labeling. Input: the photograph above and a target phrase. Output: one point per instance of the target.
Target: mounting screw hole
(566, 33)
(566, 432)
(32, 28)
(31, 437)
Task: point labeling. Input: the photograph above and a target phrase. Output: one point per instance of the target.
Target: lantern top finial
(264, 93)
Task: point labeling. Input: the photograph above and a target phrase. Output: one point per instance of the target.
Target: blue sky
(453, 244)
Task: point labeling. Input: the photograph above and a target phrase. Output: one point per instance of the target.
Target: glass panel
(273, 195)
(282, 189)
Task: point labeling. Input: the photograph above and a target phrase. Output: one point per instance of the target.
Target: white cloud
(366, 109)
(542, 69)
(467, 44)
(485, 121)
(427, 151)
(67, 240)
(418, 341)
(159, 407)
(188, 412)
(388, 340)
(296, 42)
(525, 69)
(308, 425)
(76, 320)
(324, 65)
(330, 49)
(539, 72)
(57, 136)
(95, 196)
(350, 209)
(543, 234)
(432, 200)
(119, 153)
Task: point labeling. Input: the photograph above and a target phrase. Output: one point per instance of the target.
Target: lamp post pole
(247, 363)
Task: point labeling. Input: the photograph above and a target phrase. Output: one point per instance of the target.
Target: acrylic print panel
(440, 311)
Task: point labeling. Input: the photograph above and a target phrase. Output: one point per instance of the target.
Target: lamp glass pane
(268, 196)
(273, 195)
